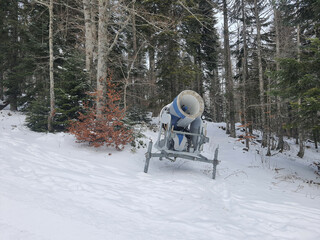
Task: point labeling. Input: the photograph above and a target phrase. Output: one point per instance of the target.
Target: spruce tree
(70, 91)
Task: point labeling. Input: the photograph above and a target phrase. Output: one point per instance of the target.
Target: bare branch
(115, 40)
(42, 3)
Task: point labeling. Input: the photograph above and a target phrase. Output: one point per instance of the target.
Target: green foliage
(310, 108)
(299, 84)
(137, 115)
(37, 115)
(201, 40)
(69, 94)
(71, 85)
(22, 50)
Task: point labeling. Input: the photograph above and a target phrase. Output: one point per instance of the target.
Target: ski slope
(53, 188)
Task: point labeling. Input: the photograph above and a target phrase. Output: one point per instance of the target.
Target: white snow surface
(54, 188)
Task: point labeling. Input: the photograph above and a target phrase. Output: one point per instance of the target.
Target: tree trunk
(301, 139)
(218, 97)
(214, 96)
(125, 86)
(225, 108)
(269, 119)
(135, 90)
(228, 72)
(13, 97)
(244, 71)
(1, 85)
(102, 46)
(152, 69)
(315, 134)
(94, 15)
(51, 59)
(261, 83)
(134, 31)
(298, 43)
(278, 99)
(300, 128)
(88, 37)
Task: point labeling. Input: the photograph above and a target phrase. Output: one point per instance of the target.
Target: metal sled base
(172, 155)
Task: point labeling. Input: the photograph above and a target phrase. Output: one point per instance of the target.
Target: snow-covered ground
(54, 188)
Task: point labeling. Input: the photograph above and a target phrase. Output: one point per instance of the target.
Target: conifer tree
(299, 84)
(12, 82)
(71, 86)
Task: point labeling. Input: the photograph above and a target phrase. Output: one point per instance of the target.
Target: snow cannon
(177, 119)
(182, 132)
(185, 108)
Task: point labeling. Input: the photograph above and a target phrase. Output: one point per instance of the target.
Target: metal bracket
(169, 154)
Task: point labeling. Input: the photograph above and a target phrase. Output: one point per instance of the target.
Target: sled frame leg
(215, 163)
(148, 157)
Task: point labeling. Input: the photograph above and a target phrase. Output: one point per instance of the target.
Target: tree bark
(214, 96)
(51, 59)
(261, 83)
(1, 85)
(134, 31)
(301, 138)
(269, 119)
(300, 128)
(102, 46)
(94, 30)
(135, 90)
(13, 97)
(279, 105)
(228, 72)
(315, 134)
(88, 37)
(152, 69)
(244, 70)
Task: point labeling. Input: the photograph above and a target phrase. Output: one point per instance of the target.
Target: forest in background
(261, 68)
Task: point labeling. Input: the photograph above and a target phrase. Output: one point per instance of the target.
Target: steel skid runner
(182, 132)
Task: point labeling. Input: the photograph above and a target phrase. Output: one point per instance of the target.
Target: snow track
(53, 188)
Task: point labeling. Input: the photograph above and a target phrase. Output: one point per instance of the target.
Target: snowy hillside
(54, 188)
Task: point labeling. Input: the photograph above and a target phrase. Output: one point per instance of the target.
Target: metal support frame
(169, 154)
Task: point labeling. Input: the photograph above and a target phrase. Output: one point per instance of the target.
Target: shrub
(103, 126)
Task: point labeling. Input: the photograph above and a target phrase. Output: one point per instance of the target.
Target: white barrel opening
(190, 104)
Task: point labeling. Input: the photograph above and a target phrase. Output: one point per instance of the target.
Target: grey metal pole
(215, 163)
(148, 156)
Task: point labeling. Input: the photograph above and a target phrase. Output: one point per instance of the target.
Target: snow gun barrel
(185, 108)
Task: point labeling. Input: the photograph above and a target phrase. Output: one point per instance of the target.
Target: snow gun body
(182, 132)
(181, 126)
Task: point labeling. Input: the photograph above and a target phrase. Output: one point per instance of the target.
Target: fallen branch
(235, 173)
